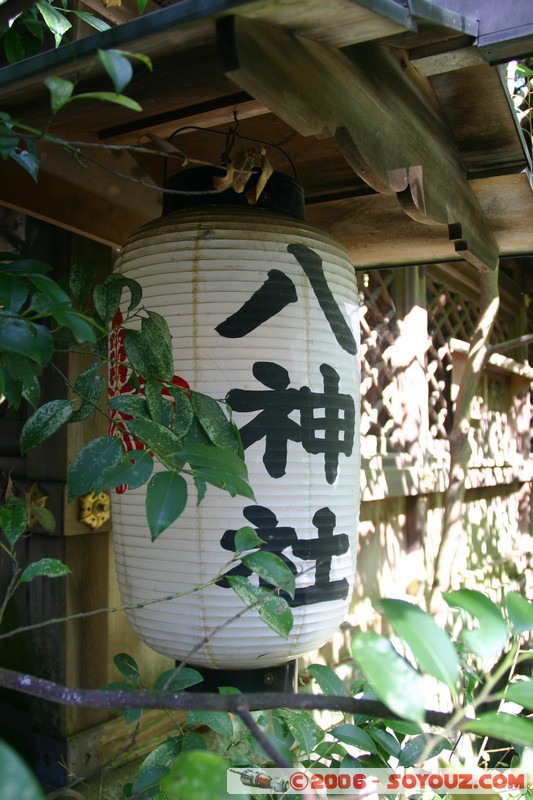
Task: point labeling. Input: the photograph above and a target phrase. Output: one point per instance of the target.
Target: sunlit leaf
(272, 569)
(415, 747)
(246, 538)
(354, 735)
(45, 567)
(166, 497)
(90, 19)
(44, 422)
(520, 612)
(521, 692)
(327, 679)
(55, 21)
(490, 638)
(272, 609)
(507, 727)
(218, 721)
(303, 727)
(197, 774)
(394, 681)
(430, 645)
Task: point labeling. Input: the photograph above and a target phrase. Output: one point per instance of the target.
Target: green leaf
(490, 638)
(197, 774)
(13, 519)
(246, 538)
(19, 336)
(520, 612)
(18, 782)
(272, 609)
(44, 422)
(60, 91)
(110, 97)
(219, 721)
(160, 409)
(55, 21)
(149, 353)
(76, 322)
(106, 299)
(141, 6)
(86, 471)
(521, 692)
(226, 481)
(399, 726)
(89, 386)
(272, 569)
(176, 680)
(166, 497)
(117, 67)
(28, 160)
(133, 470)
(13, 292)
(513, 729)
(13, 46)
(44, 517)
(131, 405)
(95, 22)
(328, 680)
(183, 413)
(386, 741)
(134, 288)
(128, 667)
(45, 567)
(416, 746)
(216, 458)
(352, 734)
(431, 646)
(214, 421)
(82, 279)
(394, 681)
(303, 727)
(155, 436)
(31, 389)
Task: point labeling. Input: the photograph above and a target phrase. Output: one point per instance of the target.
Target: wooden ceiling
(396, 125)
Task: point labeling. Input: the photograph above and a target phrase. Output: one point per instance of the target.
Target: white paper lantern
(262, 308)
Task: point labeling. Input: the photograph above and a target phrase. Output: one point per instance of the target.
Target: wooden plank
(88, 200)
(388, 132)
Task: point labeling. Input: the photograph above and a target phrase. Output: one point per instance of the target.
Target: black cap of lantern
(281, 193)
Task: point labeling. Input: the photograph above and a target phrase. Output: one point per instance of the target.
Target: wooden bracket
(389, 133)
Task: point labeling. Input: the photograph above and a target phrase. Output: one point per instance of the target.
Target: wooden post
(79, 652)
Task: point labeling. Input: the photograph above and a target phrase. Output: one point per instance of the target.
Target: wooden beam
(88, 200)
(388, 132)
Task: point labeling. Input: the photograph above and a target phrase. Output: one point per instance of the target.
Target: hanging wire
(231, 135)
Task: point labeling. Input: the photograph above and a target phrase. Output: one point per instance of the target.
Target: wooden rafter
(388, 132)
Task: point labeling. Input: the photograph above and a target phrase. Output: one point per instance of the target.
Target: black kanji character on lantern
(336, 425)
(274, 424)
(278, 291)
(279, 538)
(312, 265)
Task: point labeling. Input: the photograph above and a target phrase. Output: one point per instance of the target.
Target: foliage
(208, 744)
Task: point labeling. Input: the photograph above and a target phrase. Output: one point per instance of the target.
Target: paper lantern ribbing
(262, 309)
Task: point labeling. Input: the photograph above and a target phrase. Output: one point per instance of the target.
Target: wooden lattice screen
(378, 331)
